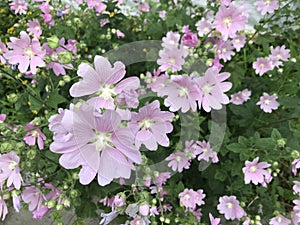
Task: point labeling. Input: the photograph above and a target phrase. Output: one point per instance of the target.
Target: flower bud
(295, 154)
(65, 57)
(31, 154)
(61, 83)
(53, 41)
(59, 207)
(6, 147)
(67, 78)
(12, 98)
(281, 142)
(74, 193)
(144, 209)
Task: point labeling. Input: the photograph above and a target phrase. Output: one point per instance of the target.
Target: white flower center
(183, 91)
(237, 41)
(107, 92)
(171, 42)
(253, 169)
(29, 52)
(206, 29)
(268, 2)
(224, 50)
(146, 123)
(54, 56)
(178, 158)
(12, 165)
(102, 140)
(171, 61)
(37, 28)
(229, 205)
(261, 65)
(206, 88)
(187, 197)
(279, 219)
(267, 102)
(279, 56)
(227, 21)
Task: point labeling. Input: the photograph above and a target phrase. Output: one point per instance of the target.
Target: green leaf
(237, 148)
(54, 99)
(275, 135)
(220, 175)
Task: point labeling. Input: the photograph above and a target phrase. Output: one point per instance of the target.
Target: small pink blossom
(279, 220)
(239, 42)
(214, 221)
(268, 102)
(266, 6)
(103, 22)
(145, 7)
(171, 59)
(19, 6)
(203, 27)
(178, 161)
(190, 198)
(240, 97)
(256, 172)
(34, 134)
(45, 8)
(295, 166)
(296, 187)
(189, 39)
(34, 28)
(225, 50)
(262, 65)
(120, 34)
(2, 117)
(10, 171)
(144, 209)
(229, 206)
(25, 52)
(205, 152)
(281, 53)
(162, 14)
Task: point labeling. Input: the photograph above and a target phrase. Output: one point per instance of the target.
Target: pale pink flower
(205, 152)
(171, 40)
(214, 221)
(3, 208)
(151, 126)
(25, 53)
(295, 166)
(224, 2)
(239, 42)
(16, 199)
(34, 28)
(213, 88)
(33, 197)
(279, 220)
(145, 7)
(182, 93)
(161, 178)
(268, 102)
(229, 20)
(203, 27)
(190, 198)
(103, 22)
(34, 134)
(3, 50)
(162, 14)
(144, 209)
(240, 97)
(10, 171)
(281, 53)
(120, 34)
(95, 142)
(154, 211)
(296, 187)
(98, 5)
(225, 50)
(178, 161)
(171, 59)
(266, 6)
(262, 65)
(256, 172)
(229, 206)
(19, 6)
(45, 8)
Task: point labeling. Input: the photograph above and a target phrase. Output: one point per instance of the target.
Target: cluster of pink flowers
(240, 97)
(190, 198)
(279, 54)
(266, 6)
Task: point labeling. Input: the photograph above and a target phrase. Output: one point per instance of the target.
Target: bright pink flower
(229, 206)
(239, 42)
(19, 6)
(203, 27)
(214, 221)
(34, 28)
(280, 220)
(98, 5)
(229, 20)
(256, 172)
(262, 65)
(94, 142)
(295, 166)
(240, 97)
(151, 125)
(268, 102)
(178, 161)
(190, 198)
(101, 81)
(189, 39)
(3, 50)
(182, 93)
(266, 6)
(10, 171)
(33, 135)
(3, 208)
(25, 53)
(2, 117)
(212, 88)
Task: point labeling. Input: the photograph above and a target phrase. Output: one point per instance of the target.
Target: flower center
(171, 61)
(229, 205)
(261, 65)
(206, 88)
(12, 165)
(183, 91)
(102, 140)
(267, 102)
(29, 52)
(253, 169)
(146, 123)
(178, 158)
(106, 92)
(54, 56)
(279, 219)
(37, 28)
(187, 197)
(279, 56)
(268, 2)
(227, 21)
(172, 42)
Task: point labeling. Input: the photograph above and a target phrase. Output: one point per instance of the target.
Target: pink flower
(203, 27)
(178, 161)
(240, 97)
(33, 197)
(33, 135)
(171, 59)
(190, 198)
(10, 171)
(94, 141)
(214, 221)
(162, 14)
(268, 102)
(225, 50)
(103, 22)
(3, 208)
(239, 42)
(281, 53)
(262, 65)
(151, 125)
(189, 39)
(229, 20)
(2, 117)
(120, 34)
(144, 7)
(266, 6)
(229, 206)
(97, 5)
(171, 40)
(25, 53)
(182, 93)
(296, 187)
(256, 172)
(295, 166)
(144, 209)
(3, 50)
(101, 81)
(205, 152)
(212, 88)
(279, 220)
(19, 6)
(45, 8)
(34, 28)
